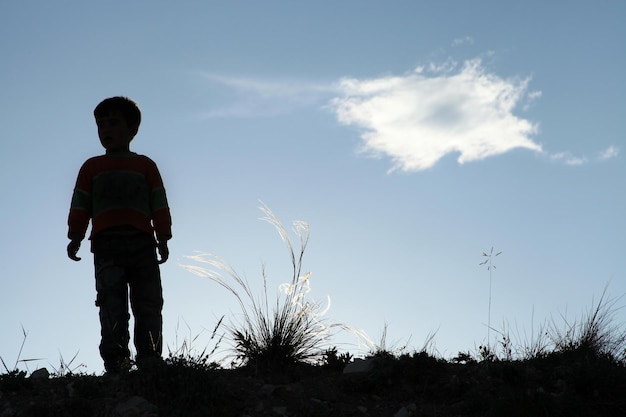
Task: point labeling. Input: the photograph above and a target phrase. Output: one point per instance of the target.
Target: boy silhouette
(122, 194)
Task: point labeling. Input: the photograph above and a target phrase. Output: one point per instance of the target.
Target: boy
(122, 194)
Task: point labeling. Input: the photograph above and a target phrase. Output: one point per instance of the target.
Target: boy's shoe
(118, 367)
(149, 363)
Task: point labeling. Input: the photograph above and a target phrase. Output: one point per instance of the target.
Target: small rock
(41, 373)
(136, 407)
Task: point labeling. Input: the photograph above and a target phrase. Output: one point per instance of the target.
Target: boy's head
(118, 120)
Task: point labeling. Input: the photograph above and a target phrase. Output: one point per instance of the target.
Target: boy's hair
(125, 106)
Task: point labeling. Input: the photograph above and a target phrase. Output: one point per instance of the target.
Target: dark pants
(123, 264)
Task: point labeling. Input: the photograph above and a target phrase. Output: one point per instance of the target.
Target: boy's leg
(112, 299)
(146, 298)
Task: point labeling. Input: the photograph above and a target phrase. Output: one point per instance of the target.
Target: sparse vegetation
(596, 333)
(186, 352)
(575, 369)
(284, 365)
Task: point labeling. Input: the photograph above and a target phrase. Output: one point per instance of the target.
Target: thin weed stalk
(187, 350)
(490, 268)
(18, 359)
(66, 369)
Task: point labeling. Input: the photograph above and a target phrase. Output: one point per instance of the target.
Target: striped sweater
(119, 190)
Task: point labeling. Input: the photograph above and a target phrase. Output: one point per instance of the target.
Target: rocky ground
(412, 385)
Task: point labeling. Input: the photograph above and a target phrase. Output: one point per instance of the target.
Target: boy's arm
(161, 218)
(80, 213)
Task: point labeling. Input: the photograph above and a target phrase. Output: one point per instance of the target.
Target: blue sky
(410, 135)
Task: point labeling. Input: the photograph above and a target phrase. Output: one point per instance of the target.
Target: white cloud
(416, 119)
(608, 153)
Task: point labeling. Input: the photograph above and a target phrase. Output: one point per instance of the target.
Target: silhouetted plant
(18, 360)
(463, 358)
(490, 268)
(486, 354)
(293, 328)
(537, 345)
(595, 334)
(14, 380)
(66, 369)
(382, 349)
(332, 359)
(506, 346)
(186, 352)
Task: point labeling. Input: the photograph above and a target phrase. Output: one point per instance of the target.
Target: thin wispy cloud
(568, 159)
(608, 153)
(266, 97)
(419, 118)
(531, 98)
(572, 160)
(465, 40)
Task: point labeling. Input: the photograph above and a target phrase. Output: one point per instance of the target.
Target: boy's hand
(163, 251)
(72, 250)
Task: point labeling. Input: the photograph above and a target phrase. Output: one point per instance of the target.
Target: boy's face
(114, 133)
